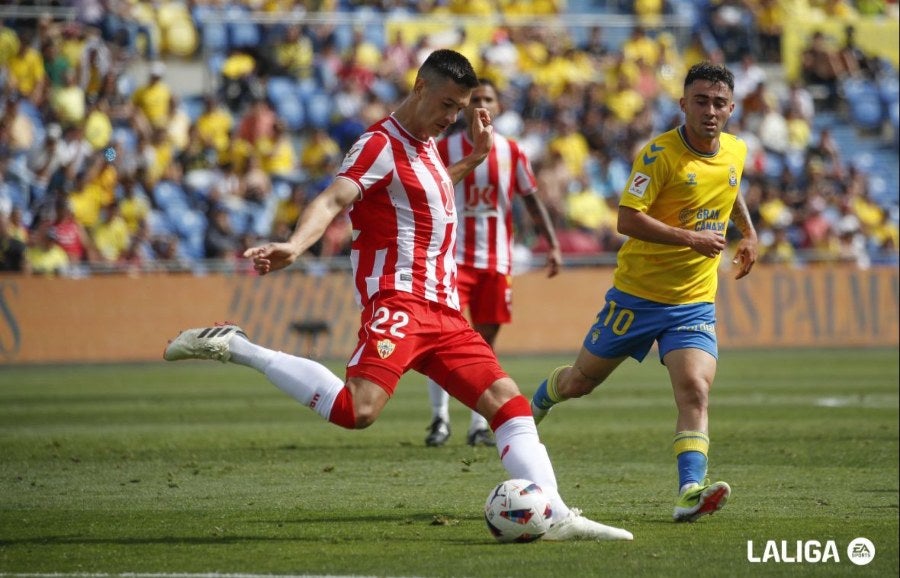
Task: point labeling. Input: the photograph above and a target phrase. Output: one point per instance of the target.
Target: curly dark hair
(710, 72)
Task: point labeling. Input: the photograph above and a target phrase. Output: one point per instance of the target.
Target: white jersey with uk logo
(404, 223)
(485, 234)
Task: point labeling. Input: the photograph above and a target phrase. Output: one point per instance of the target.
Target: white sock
(307, 381)
(440, 401)
(525, 457)
(245, 352)
(478, 422)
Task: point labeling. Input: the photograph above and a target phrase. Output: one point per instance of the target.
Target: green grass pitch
(200, 468)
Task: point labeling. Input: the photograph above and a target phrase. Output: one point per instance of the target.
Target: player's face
(440, 104)
(707, 106)
(483, 97)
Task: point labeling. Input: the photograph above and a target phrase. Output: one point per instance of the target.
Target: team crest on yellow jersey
(385, 348)
(732, 176)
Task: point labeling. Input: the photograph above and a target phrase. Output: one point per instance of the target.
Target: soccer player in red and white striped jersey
(484, 242)
(403, 214)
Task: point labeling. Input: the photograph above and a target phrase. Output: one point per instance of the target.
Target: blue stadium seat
(15, 192)
(125, 136)
(214, 37)
(215, 63)
(318, 110)
(191, 229)
(170, 197)
(290, 110)
(241, 32)
(193, 106)
(894, 116)
(774, 165)
(278, 87)
(384, 90)
(864, 102)
(889, 89)
(306, 87)
(158, 224)
(27, 108)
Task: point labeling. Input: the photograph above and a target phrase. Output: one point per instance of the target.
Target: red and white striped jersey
(485, 233)
(404, 223)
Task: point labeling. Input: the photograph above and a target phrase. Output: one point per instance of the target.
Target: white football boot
(203, 343)
(577, 527)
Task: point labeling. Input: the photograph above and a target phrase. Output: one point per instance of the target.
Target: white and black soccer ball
(517, 511)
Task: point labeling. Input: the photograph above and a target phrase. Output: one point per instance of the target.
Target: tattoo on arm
(740, 214)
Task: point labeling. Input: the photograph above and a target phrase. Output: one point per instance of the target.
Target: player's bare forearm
(460, 169)
(544, 226)
(638, 225)
(740, 216)
(747, 252)
(482, 135)
(310, 228)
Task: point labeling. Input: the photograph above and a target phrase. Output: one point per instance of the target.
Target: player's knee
(694, 393)
(365, 416)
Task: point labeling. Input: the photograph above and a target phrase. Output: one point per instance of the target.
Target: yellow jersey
(684, 188)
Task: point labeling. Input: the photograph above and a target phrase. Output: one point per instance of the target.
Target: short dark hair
(710, 72)
(488, 82)
(449, 64)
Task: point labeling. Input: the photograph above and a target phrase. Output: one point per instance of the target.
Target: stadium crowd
(107, 170)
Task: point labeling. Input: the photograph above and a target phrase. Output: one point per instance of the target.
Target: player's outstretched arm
(482, 140)
(747, 251)
(313, 222)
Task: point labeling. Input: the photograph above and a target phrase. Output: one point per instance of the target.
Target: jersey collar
(683, 135)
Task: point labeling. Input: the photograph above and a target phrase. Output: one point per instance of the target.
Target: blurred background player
(684, 188)
(484, 242)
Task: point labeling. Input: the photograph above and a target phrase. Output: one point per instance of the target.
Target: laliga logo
(860, 551)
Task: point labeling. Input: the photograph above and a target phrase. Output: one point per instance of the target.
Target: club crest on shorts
(385, 348)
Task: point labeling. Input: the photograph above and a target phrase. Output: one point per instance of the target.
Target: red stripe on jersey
(404, 222)
(484, 200)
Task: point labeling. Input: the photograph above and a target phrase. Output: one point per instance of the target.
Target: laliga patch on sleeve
(351, 156)
(638, 185)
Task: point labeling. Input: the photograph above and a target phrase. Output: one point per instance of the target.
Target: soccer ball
(517, 511)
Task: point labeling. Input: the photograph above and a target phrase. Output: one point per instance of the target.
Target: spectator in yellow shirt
(110, 234)
(44, 256)
(98, 128)
(154, 98)
(571, 144)
(134, 205)
(277, 153)
(68, 101)
(9, 44)
(26, 71)
(639, 45)
(294, 53)
(214, 124)
(317, 153)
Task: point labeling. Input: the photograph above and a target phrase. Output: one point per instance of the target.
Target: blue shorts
(628, 326)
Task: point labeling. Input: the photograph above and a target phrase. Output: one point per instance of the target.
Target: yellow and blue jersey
(681, 187)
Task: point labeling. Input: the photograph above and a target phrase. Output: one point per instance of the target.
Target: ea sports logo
(861, 551)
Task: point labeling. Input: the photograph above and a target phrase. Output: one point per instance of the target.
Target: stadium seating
(291, 111)
(864, 102)
(190, 226)
(170, 197)
(158, 224)
(318, 110)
